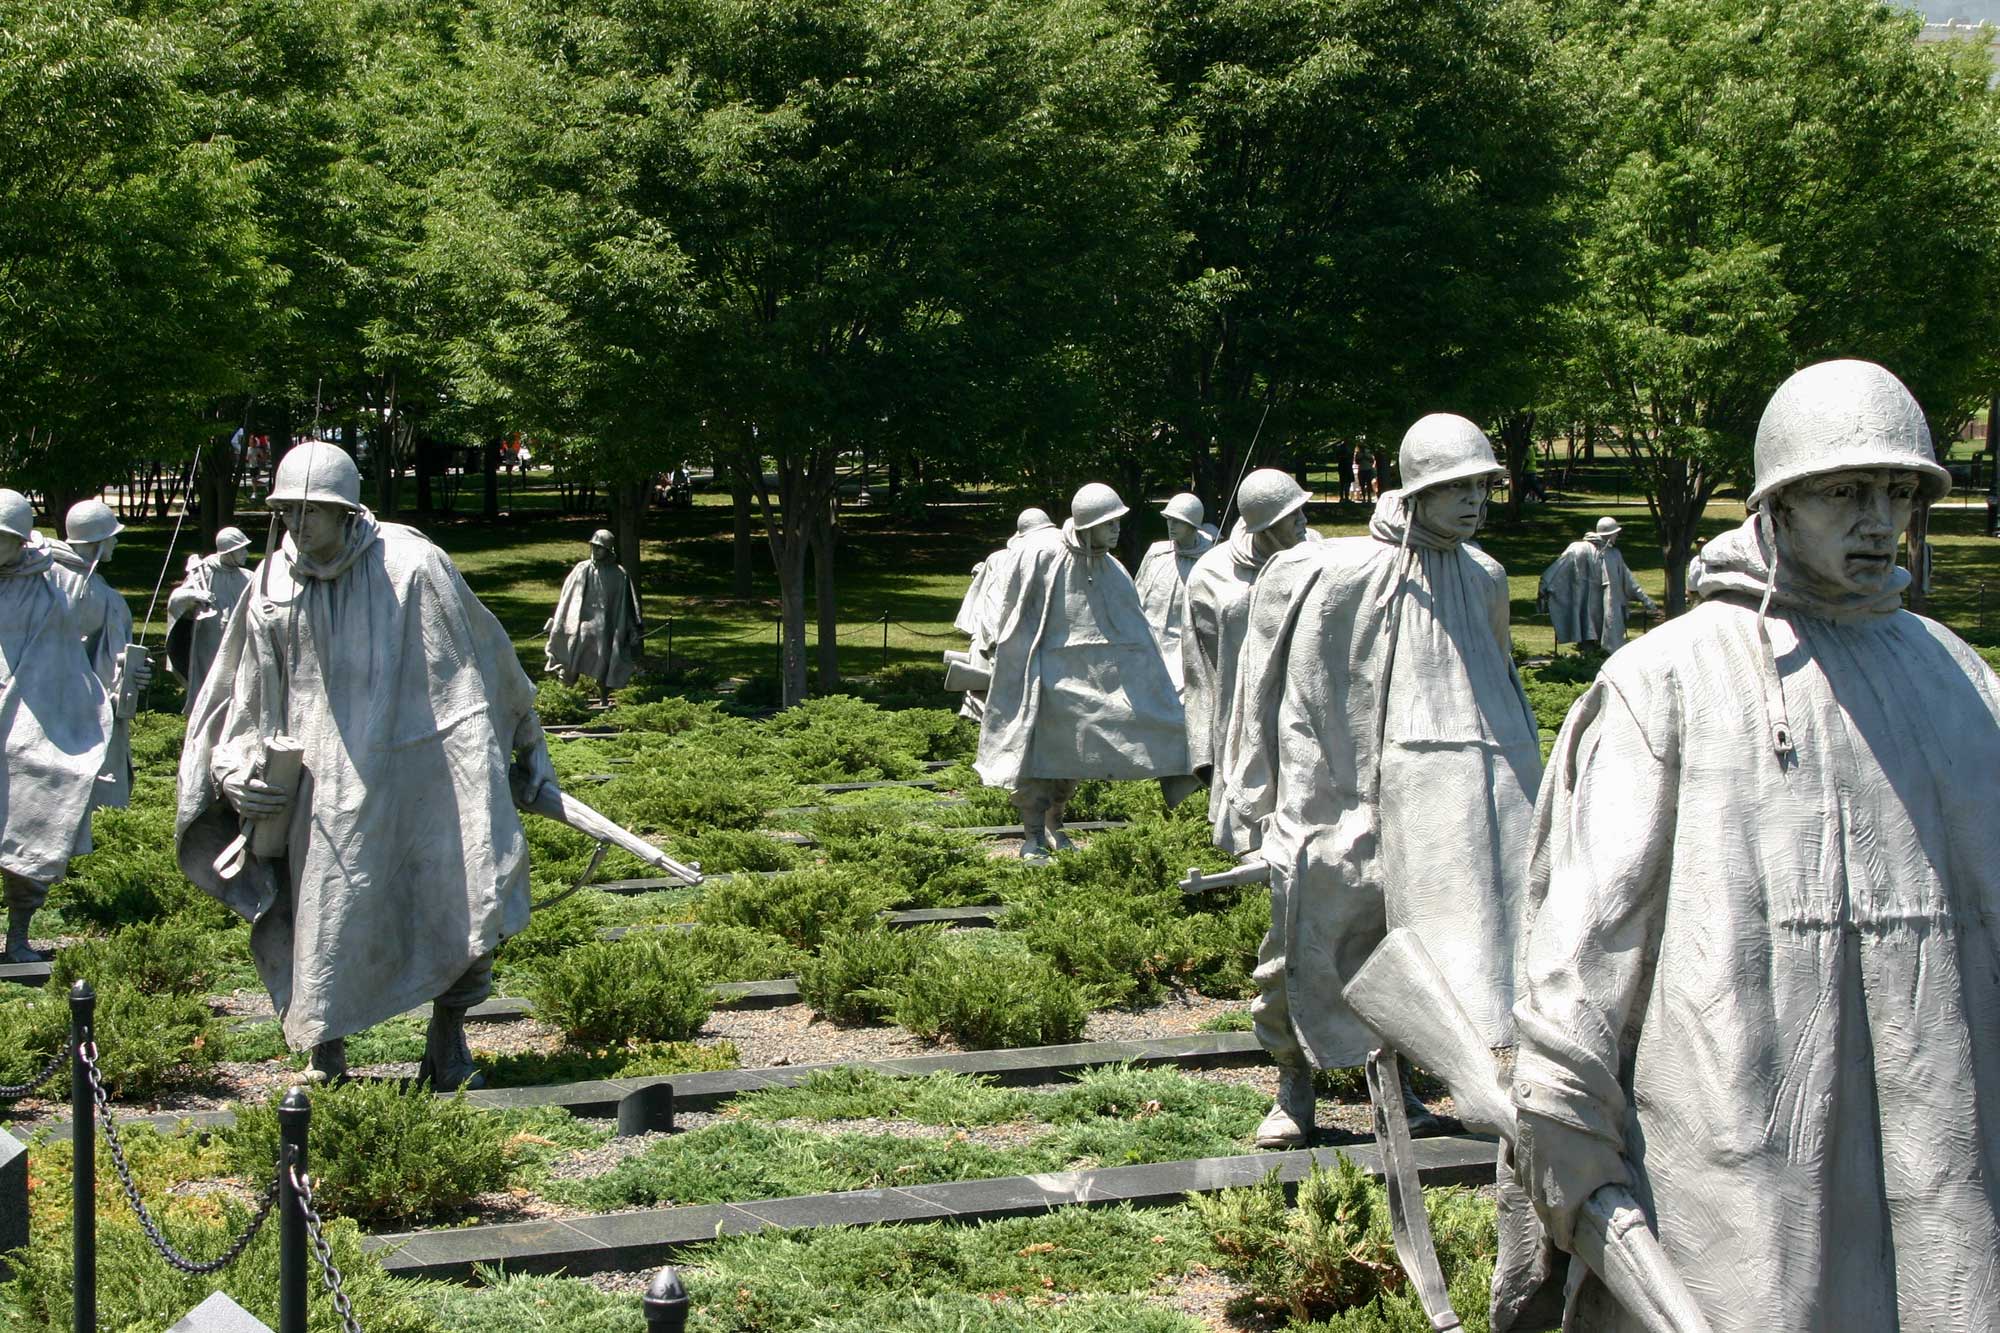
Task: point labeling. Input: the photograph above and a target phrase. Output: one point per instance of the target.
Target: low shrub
(1555, 686)
(171, 957)
(131, 874)
(986, 998)
(910, 685)
(146, 1043)
(690, 790)
(569, 924)
(629, 989)
(799, 908)
(855, 976)
(923, 866)
(382, 1152)
(734, 851)
(1330, 1253)
(843, 739)
(668, 715)
(571, 1064)
(560, 705)
(731, 952)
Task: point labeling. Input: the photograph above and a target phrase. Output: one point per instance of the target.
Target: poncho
(195, 627)
(1766, 991)
(1078, 689)
(407, 861)
(1218, 613)
(1383, 758)
(1162, 583)
(1588, 588)
(105, 624)
(54, 715)
(596, 629)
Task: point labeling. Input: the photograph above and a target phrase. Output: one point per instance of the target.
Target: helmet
(17, 516)
(1607, 527)
(91, 521)
(1186, 507)
(230, 539)
(1839, 415)
(1442, 448)
(1266, 496)
(317, 472)
(1030, 520)
(1095, 503)
(603, 537)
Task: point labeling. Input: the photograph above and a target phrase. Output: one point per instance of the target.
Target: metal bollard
(83, 1169)
(666, 1303)
(294, 1119)
(885, 640)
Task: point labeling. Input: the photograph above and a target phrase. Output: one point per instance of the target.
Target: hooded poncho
(407, 861)
(1162, 583)
(1078, 688)
(1383, 756)
(1218, 614)
(54, 715)
(105, 624)
(1588, 589)
(1765, 989)
(195, 626)
(596, 629)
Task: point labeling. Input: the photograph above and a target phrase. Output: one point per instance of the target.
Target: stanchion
(885, 640)
(666, 1303)
(294, 1119)
(83, 1168)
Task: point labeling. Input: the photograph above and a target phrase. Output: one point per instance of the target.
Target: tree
(1369, 213)
(132, 280)
(1766, 186)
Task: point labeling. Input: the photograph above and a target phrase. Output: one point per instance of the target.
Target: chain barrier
(14, 1092)
(87, 1054)
(322, 1251)
(924, 634)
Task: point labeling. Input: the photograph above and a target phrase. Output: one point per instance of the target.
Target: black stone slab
(25, 974)
(625, 1241)
(654, 885)
(1016, 831)
(835, 788)
(13, 1196)
(969, 918)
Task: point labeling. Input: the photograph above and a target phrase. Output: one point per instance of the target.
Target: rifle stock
(1400, 993)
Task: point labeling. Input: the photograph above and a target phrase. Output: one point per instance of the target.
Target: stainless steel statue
(1163, 575)
(1588, 589)
(596, 631)
(200, 608)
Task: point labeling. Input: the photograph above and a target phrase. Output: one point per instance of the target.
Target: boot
(1423, 1122)
(1034, 826)
(1059, 841)
(18, 948)
(328, 1064)
(1289, 1123)
(447, 1064)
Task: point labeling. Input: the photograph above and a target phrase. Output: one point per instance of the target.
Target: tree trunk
(388, 457)
(426, 451)
(740, 499)
(790, 558)
(1517, 448)
(489, 465)
(825, 537)
(628, 512)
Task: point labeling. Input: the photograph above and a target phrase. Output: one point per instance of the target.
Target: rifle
(566, 809)
(1400, 993)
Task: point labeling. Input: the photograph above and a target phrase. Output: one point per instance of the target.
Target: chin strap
(1774, 690)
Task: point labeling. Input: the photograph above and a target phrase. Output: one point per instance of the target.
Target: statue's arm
(1605, 849)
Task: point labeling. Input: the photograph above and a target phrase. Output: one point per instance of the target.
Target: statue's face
(99, 551)
(1454, 507)
(1181, 532)
(601, 554)
(317, 528)
(1839, 531)
(237, 558)
(1101, 536)
(10, 549)
(1283, 535)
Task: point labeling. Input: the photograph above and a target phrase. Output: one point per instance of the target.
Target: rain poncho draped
(1588, 589)
(1218, 614)
(596, 629)
(1078, 688)
(54, 714)
(1383, 756)
(1767, 991)
(407, 861)
(1162, 583)
(202, 622)
(105, 624)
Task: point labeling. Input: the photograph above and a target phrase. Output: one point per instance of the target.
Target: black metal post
(666, 1303)
(83, 1168)
(670, 645)
(780, 627)
(885, 640)
(294, 1119)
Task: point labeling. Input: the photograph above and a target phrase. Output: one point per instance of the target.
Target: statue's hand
(253, 797)
(537, 773)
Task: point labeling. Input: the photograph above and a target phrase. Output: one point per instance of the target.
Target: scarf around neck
(362, 531)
